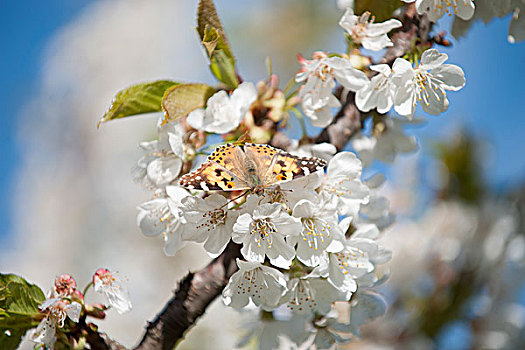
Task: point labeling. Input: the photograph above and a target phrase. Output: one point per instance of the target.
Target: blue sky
(491, 104)
(26, 27)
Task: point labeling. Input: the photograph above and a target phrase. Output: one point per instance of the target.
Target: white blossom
(365, 307)
(307, 295)
(342, 184)
(56, 310)
(328, 332)
(271, 333)
(323, 150)
(426, 84)
(386, 145)
(363, 30)
(162, 216)
(320, 232)
(378, 93)
(517, 23)
(163, 159)
(263, 234)
(319, 74)
(435, 9)
(106, 282)
(344, 4)
(208, 220)
(224, 113)
(263, 285)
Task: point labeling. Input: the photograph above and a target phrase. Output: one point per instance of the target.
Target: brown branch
(196, 291)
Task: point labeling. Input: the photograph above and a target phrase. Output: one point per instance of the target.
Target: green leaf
(224, 69)
(222, 61)
(381, 9)
(137, 99)
(180, 100)
(11, 341)
(19, 301)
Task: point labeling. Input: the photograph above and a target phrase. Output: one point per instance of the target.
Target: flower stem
(87, 288)
(301, 120)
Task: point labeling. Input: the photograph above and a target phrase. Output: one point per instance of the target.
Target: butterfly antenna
(233, 199)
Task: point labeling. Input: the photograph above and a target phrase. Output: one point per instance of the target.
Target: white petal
(304, 209)
(450, 75)
(377, 29)
(404, 101)
(73, 311)
(465, 9)
(431, 58)
(241, 227)
(376, 43)
(45, 332)
(196, 119)
(242, 98)
(346, 75)
(344, 164)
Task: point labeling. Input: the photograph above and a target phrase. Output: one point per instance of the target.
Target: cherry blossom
(162, 216)
(378, 93)
(342, 184)
(307, 295)
(320, 232)
(163, 159)
(208, 220)
(263, 285)
(106, 282)
(426, 83)
(263, 234)
(435, 9)
(56, 310)
(328, 332)
(319, 74)
(385, 145)
(223, 113)
(363, 30)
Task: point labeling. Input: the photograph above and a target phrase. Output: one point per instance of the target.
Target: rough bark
(195, 293)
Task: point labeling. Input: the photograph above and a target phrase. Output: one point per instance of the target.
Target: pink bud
(77, 296)
(319, 55)
(65, 285)
(301, 59)
(101, 274)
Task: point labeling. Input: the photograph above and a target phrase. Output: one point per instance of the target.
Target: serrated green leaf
(381, 9)
(137, 99)
(222, 61)
(180, 100)
(11, 341)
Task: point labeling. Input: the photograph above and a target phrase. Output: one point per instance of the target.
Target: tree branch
(196, 291)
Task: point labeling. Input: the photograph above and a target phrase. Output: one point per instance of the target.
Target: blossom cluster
(401, 86)
(311, 242)
(297, 252)
(65, 301)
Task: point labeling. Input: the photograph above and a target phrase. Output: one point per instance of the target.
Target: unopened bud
(65, 285)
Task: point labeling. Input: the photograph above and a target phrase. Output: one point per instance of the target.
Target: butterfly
(251, 166)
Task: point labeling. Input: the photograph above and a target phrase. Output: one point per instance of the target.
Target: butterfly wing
(286, 167)
(223, 170)
(276, 166)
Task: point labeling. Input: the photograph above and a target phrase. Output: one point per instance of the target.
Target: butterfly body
(253, 167)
